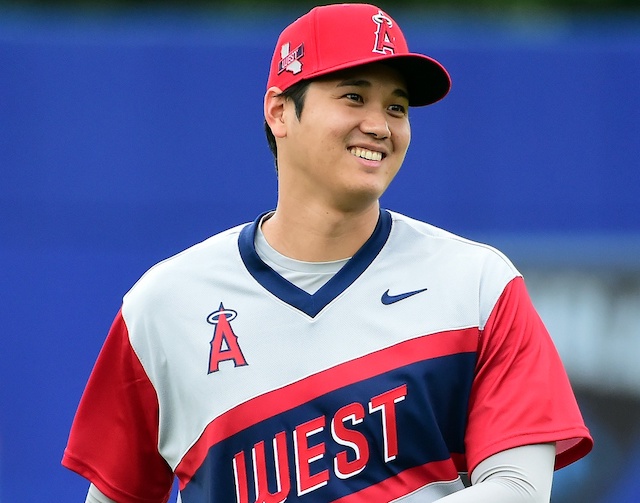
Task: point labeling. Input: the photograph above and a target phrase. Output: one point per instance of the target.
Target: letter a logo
(224, 345)
(385, 42)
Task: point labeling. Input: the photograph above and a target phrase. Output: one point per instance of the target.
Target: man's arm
(95, 496)
(519, 475)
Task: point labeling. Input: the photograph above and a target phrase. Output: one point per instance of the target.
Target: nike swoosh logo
(390, 299)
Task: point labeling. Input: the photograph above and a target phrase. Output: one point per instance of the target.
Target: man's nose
(376, 125)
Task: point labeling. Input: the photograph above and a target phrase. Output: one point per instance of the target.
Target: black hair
(297, 93)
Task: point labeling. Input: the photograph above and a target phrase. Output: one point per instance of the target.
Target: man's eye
(398, 109)
(353, 97)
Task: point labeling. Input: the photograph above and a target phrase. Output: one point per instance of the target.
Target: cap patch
(385, 42)
(290, 61)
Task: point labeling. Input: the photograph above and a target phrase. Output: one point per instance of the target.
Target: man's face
(350, 140)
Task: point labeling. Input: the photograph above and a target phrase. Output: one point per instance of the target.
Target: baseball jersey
(419, 358)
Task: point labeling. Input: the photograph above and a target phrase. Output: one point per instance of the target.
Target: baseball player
(330, 350)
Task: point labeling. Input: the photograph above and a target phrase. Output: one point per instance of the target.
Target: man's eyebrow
(354, 82)
(399, 92)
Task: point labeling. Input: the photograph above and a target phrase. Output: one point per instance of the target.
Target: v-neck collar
(312, 304)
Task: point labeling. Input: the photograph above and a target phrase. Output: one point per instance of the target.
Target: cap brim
(427, 80)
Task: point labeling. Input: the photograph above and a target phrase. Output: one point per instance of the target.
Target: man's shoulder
(428, 236)
(214, 252)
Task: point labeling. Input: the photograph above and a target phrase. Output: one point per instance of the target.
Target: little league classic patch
(290, 61)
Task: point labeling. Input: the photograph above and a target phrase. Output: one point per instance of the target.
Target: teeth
(364, 153)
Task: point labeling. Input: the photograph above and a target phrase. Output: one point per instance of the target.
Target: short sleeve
(521, 393)
(114, 436)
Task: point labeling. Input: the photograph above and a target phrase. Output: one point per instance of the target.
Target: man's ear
(274, 111)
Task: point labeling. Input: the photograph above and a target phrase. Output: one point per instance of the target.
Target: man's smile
(370, 155)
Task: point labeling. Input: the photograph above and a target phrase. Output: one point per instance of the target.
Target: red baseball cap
(335, 37)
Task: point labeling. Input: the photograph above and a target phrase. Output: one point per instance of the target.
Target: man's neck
(319, 235)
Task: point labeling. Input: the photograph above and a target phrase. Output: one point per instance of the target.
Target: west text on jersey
(307, 478)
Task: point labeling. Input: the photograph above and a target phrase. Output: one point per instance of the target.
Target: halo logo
(385, 42)
(224, 345)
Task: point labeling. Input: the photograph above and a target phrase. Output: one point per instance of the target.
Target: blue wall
(126, 139)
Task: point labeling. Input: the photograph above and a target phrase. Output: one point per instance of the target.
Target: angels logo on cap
(340, 36)
(384, 43)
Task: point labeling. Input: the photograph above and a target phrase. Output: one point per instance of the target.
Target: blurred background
(131, 130)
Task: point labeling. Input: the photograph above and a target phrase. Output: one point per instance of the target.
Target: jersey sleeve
(521, 393)
(114, 436)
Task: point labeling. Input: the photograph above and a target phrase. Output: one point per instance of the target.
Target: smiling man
(331, 350)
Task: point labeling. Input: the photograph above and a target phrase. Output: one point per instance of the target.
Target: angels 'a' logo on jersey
(385, 42)
(290, 61)
(224, 345)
